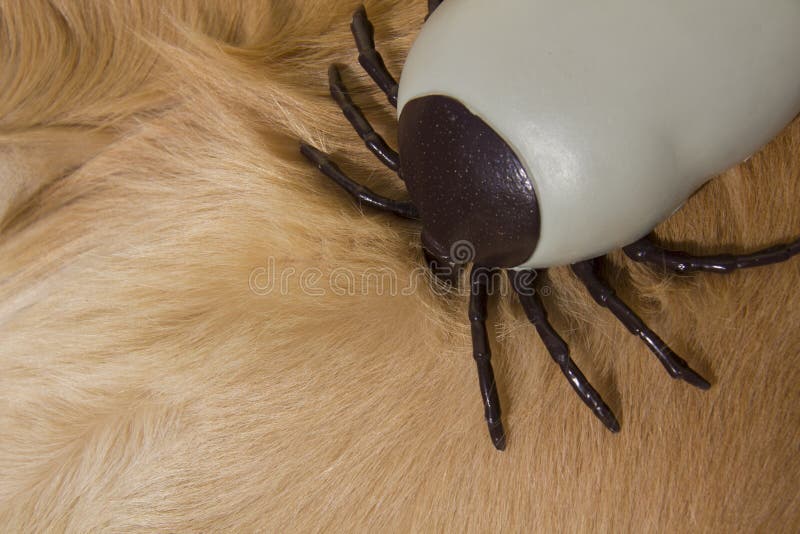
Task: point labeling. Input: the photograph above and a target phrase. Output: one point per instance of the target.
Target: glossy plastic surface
(619, 110)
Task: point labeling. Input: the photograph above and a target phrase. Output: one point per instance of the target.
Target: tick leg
(447, 272)
(369, 58)
(522, 282)
(374, 142)
(479, 294)
(432, 5)
(645, 250)
(605, 296)
(359, 192)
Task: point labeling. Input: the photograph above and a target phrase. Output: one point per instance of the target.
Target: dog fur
(151, 380)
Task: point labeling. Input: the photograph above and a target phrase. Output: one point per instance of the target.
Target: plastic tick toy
(550, 132)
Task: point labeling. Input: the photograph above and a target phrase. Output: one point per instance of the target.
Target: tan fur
(149, 169)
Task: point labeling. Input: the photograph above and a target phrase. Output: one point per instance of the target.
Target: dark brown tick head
(473, 195)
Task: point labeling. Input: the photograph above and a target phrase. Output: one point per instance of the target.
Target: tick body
(618, 110)
(538, 133)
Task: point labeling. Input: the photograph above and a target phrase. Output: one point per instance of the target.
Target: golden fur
(150, 176)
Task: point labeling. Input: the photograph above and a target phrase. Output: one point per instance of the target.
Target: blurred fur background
(149, 177)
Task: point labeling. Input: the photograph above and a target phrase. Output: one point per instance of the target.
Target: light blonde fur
(149, 176)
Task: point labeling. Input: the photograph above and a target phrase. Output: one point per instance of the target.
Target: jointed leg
(479, 294)
(359, 192)
(432, 5)
(374, 142)
(446, 271)
(605, 296)
(645, 250)
(369, 58)
(522, 283)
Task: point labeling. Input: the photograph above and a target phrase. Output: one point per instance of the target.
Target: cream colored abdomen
(618, 109)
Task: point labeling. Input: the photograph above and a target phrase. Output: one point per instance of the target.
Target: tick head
(475, 199)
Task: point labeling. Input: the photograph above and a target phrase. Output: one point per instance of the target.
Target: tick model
(538, 133)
